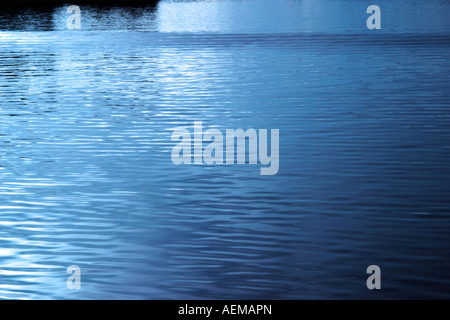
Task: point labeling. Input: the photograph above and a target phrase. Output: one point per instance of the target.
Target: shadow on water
(29, 15)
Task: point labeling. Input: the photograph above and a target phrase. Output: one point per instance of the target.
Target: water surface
(86, 176)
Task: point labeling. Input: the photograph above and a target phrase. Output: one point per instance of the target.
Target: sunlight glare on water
(86, 176)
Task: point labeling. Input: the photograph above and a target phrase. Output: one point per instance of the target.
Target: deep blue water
(86, 176)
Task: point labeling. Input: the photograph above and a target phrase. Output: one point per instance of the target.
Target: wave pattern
(86, 176)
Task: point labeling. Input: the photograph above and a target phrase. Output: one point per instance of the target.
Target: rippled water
(87, 179)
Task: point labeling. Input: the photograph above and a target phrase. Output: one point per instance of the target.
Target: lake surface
(86, 176)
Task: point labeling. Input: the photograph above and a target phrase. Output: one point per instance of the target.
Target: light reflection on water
(87, 179)
(226, 16)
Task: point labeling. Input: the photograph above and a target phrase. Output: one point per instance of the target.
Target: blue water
(86, 176)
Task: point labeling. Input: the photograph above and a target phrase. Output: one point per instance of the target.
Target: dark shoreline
(21, 15)
(35, 4)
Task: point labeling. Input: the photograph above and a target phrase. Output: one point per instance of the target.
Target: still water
(86, 176)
